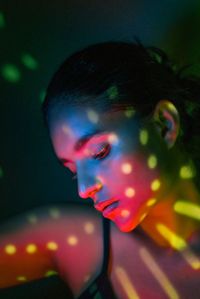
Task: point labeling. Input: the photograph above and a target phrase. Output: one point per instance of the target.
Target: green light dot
(112, 92)
(42, 96)
(1, 172)
(29, 61)
(2, 20)
(143, 137)
(152, 161)
(10, 73)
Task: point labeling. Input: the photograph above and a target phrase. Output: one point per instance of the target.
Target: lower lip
(110, 208)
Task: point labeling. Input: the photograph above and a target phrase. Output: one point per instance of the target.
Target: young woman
(125, 123)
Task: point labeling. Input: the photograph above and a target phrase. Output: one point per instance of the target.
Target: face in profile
(111, 156)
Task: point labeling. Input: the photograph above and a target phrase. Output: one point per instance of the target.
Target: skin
(121, 172)
(50, 241)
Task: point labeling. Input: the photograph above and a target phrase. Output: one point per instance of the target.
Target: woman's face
(111, 156)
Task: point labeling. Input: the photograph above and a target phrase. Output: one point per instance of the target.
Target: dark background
(46, 32)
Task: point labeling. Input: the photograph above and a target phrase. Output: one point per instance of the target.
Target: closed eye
(103, 152)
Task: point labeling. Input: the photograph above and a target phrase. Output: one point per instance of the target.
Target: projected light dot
(130, 192)
(32, 218)
(42, 96)
(54, 213)
(112, 138)
(1, 172)
(50, 273)
(92, 116)
(29, 61)
(66, 130)
(186, 172)
(112, 92)
(72, 240)
(151, 202)
(142, 217)
(152, 161)
(31, 248)
(126, 168)
(21, 278)
(89, 228)
(143, 137)
(129, 112)
(52, 246)
(86, 278)
(10, 249)
(10, 73)
(2, 20)
(125, 213)
(155, 185)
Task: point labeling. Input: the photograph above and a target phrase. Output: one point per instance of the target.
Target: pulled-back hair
(116, 75)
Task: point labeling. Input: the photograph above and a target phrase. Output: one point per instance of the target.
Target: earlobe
(167, 121)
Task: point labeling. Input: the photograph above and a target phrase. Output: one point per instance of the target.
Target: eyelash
(103, 153)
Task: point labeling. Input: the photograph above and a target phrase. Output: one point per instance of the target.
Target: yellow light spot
(126, 168)
(151, 202)
(10, 249)
(32, 218)
(152, 161)
(125, 213)
(126, 283)
(159, 275)
(187, 172)
(113, 139)
(54, 213)
(191, 258)
(72, 240)
(31, 248)
(21, 278)
(188, 209)
(174, 240)
(142, 217)
(155, 185)
(143, 136)
(50, 273)
(130, 192)
(92, 116)
(89, 228)
(52, 246)
(129, 112)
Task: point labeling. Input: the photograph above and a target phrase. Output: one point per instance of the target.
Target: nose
(88, 183)
(87, 190)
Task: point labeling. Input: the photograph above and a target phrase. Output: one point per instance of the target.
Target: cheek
(135, 182)
(132, 175)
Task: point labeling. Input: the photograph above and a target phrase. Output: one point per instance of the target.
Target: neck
(168, 225)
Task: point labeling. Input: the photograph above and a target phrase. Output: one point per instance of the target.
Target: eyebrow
(81, 142)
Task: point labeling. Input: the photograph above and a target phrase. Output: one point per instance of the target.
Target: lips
(100, 206)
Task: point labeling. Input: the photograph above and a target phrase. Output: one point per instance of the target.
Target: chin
(126, 227)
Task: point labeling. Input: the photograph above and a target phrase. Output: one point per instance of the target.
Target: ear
(166, 118)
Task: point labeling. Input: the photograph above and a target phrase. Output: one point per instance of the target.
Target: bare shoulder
(66, 239)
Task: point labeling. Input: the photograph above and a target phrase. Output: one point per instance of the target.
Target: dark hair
(118, 75)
